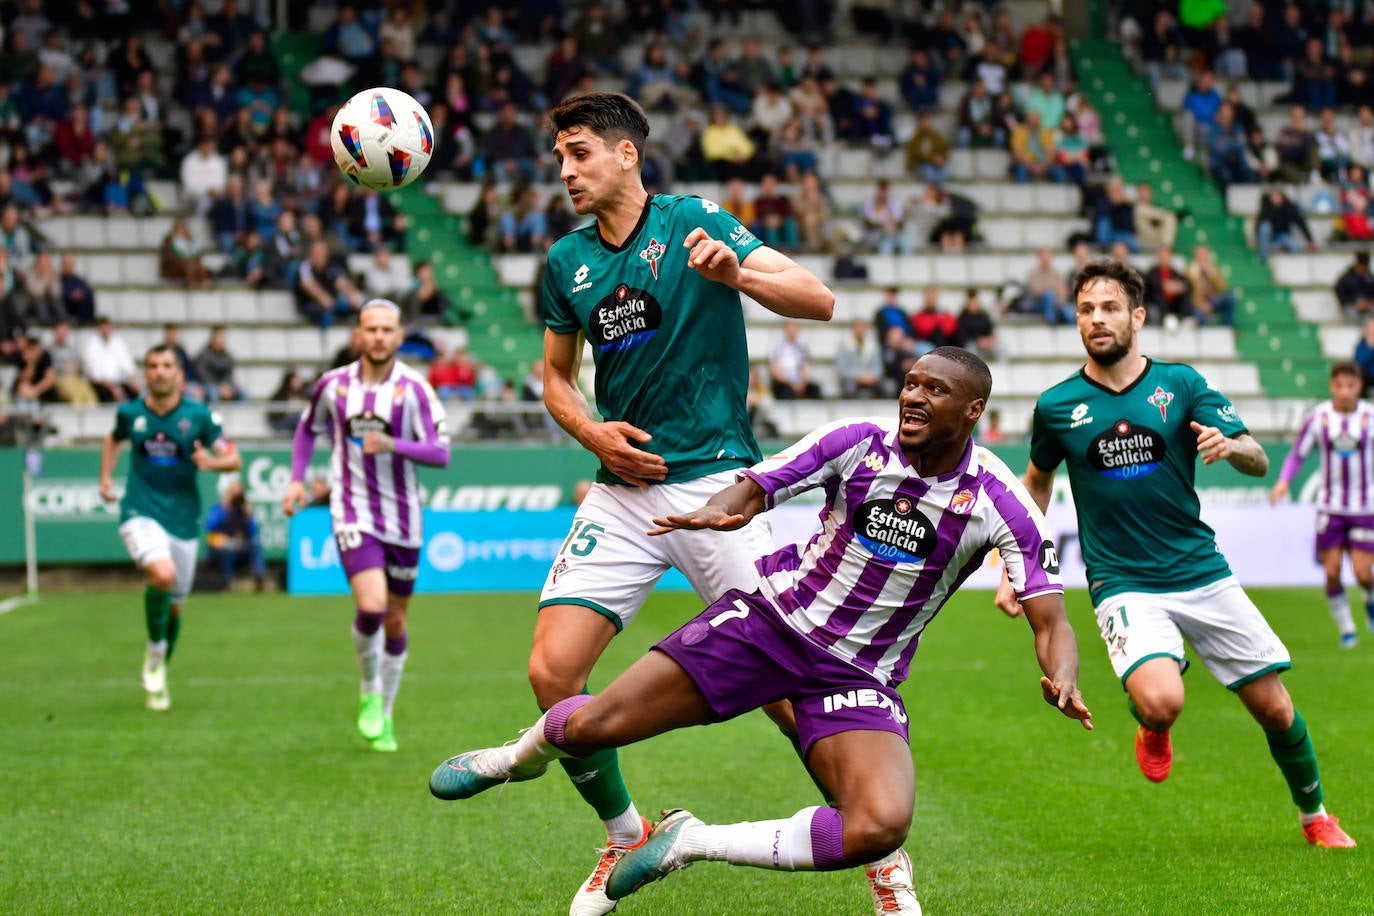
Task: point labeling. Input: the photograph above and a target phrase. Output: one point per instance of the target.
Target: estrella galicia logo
(162, 451)
(1049, 557)
(364, 423)
(625, 319)
(1126, 451)
(895, 530)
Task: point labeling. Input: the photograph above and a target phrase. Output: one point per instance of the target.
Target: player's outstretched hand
(375, 443)
(293, 500)
(107, 490)
(612, 442)
(1068, 700)
(712, 258)
(1006, 598)
(713, 517)
(201, 458)
(1277, 494)
(1211, 444)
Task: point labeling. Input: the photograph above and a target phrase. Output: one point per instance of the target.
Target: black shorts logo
(895, 530)
(1126, 451)
(623, 320)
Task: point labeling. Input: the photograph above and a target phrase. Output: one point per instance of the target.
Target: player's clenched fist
(712, 258)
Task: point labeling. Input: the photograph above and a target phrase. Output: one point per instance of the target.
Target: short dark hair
(1346, 367)
(1121, 273)
(973, 364)
(612, 116)
(160, 348)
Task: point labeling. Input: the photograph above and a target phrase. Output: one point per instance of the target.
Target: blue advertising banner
(493, 551)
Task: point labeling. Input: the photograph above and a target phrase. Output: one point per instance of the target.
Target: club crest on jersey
(559, 568)
(184, 425)
(1161, 399)
(962, 502)
(653, 254)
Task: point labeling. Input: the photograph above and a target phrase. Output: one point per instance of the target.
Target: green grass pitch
(255, 795)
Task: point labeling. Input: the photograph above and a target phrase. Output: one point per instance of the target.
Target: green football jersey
(1131, 456)
(669, 345)
(162, 476)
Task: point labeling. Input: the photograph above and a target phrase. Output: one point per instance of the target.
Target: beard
(1112, 354)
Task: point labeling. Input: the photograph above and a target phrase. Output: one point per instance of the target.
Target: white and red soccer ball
(382, 138)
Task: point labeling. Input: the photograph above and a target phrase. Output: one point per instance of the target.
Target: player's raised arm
(612, 440)
(767, 276)
(1057, 650)
(729, 509)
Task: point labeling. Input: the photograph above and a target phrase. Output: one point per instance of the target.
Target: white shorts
(608, 562)
(1223, 625)
(147, 541)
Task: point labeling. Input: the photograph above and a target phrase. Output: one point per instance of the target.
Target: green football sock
(796, 746)
(1135, 713)
(157, 609)
(597, 779)
(1292, 750)
(173, 628)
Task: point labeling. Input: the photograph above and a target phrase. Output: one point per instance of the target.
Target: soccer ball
(382, 138)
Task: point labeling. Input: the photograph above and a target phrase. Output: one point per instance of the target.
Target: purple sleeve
(302, 447)
(430, 453)
(1300, 450)
(809, 462)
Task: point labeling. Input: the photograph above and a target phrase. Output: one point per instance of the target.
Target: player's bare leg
(1362, 561)
(1332, 559)
(871, 777)
(1155, 689)
(160, 574)
(891, 881)
(1291, 747)
(370, 601)
(568, 640)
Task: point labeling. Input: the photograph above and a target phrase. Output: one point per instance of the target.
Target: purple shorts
(1345, 532)
(401, 564)
(742, 656)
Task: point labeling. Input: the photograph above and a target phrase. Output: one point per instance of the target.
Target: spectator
(1361, 138)
(789, 367)
(812, 209)
(1333, 147)
(215, 368)
(72, 387)
(773, 220)
(179, 258)
(231, 535)
(1033, 152)
(795, 153)
(1354, 206)
(75, 141)
(204, 174)
(1046, 294)
(1314, 77)
(990, 432)
(283, 252)
(1355, 289)
(1279, 223)
(264, 208)
(1364, 357)
(872, 124)
(1161, 48)
(974, 329)
(292, 392)
(927, 152)
(1154, 225)
(43, 289)
(16, 238)
(524, 227)
(1213, 301)
(1046, 100)
(1168, 294)
(977, 125)
(1071, 151)
(374, 221)
(933, 326)
(385, 277)
(324, 292)
(135, 141)
(813, 108)
(859, 362)
(1297, 148)
(882, 220)
(891, 314)
(229, 214)
(484, 216)
(109, 366)
(171, 337)
(737, 204)
(771, 111)
(919, 81)
(1200, 106)
(1256, 40)
(1114, 217)
(507, 150)
(78, 299)
(726, 147)
(427, 303)
(36, 382)
(453, 374)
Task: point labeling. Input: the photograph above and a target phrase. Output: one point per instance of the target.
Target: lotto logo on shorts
(867, 697)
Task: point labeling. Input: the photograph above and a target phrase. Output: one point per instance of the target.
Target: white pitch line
(10, 604)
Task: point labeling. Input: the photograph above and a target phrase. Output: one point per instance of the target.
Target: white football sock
(392, 665)
(1315, 815)
(157, 652)
(369, 650)
(782, 844)
(1340, 612)
(626, 828)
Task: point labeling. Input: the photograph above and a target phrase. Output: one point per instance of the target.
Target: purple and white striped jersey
(893, 546)
(375, 494)
(1345, 445)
